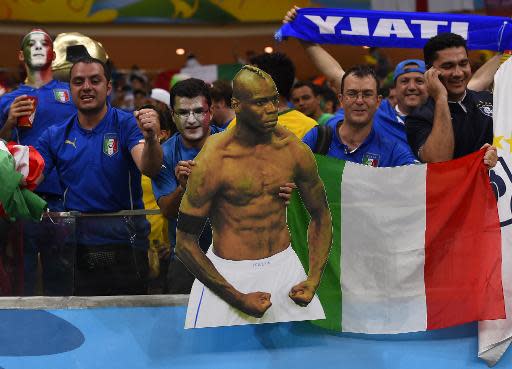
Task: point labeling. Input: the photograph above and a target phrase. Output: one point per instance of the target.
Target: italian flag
(414, 248)
(212, 72)
(20, 169)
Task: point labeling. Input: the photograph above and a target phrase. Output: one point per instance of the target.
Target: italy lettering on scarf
(395, 29)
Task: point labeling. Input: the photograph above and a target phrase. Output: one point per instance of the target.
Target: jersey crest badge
(485, 108)
(61, 95)
(110, 144)
(372, 160)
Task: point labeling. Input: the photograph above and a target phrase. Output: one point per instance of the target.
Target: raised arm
(202, 187)
(484, 76)
(313, 196)
(322, 60)
(440, 143)
(148, 156)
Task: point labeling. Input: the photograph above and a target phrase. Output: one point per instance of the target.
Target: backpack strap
(323, 140)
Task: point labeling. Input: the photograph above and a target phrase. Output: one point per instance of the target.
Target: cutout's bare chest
(255, 177)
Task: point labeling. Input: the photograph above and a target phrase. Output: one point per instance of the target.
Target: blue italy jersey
(388, 123)
(95, 166)
(376, 150)
(54, 105)
(166, 182)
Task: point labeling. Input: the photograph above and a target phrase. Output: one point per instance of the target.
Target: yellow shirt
(292, 119)
(158, 222)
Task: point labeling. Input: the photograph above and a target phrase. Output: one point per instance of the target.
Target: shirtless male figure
(236, 182)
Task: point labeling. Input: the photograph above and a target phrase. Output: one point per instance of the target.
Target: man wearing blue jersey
(99, 154)
(354, 138)
(191, 110)
(52, 102)
(409, 85)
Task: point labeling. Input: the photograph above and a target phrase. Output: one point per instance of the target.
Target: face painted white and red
(38, 50)
(192, 117)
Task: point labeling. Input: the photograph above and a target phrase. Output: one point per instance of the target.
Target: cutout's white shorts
(276, 274)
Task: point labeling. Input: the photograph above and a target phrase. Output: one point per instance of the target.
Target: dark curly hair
(280, 68)
(440, 42)
(190, 88)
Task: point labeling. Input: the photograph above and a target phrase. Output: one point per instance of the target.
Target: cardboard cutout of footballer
(251, 274)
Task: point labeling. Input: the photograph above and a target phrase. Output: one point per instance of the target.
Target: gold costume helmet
(71, 46)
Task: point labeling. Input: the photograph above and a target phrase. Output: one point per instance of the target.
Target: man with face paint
(251, 274)
(53, 105)
(191, 103)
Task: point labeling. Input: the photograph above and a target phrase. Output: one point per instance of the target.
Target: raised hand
(149, 123)
(290, 15)
(435, 87)
(183, 170)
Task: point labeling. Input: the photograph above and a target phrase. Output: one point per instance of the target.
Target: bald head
(248, 80)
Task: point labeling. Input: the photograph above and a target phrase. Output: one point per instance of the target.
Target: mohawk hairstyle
(252, 69)
(255, 70)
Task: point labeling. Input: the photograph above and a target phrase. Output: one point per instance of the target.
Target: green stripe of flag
(17, 203)
(227, 72)
(329, 292)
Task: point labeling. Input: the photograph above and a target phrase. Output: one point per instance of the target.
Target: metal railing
(44, 258)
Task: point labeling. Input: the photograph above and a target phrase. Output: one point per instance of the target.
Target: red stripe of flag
(462, 245)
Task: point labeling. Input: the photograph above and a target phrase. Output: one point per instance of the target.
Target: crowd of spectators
(98, 133)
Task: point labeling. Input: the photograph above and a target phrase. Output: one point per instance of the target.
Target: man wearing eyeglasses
(251, 274)
(354, 138)
(190, 102)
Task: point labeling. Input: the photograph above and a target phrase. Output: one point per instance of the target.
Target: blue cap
(407, 66)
